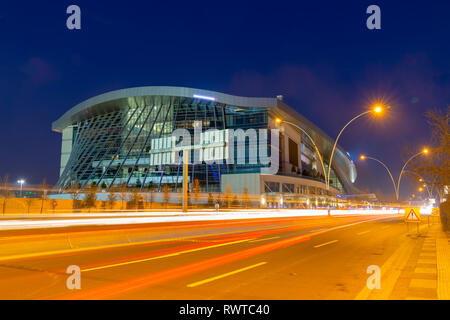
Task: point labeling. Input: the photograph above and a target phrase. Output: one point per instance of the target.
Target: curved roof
(120, 96)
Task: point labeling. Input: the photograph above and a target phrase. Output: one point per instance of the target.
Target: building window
(271, 187)
(287, 188)
(293, 153)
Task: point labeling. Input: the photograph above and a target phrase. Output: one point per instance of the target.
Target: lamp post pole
(376, 109)
(387, 169)
(425, 151)
(396, 188)
(21, 182)
(185, 179)
(336, 141)
(315, 146)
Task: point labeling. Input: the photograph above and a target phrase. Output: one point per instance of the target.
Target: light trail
(151, 279)
(286, 213)
(176, 253)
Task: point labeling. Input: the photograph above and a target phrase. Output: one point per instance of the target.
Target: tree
(228, 195)
(111, 199)
(211, 201)
(235, 202)
(5, 191)
(75, 195)
(123, 190)
(150, 198)
(245, 198)
(91, 196)
(29, 202)
(196, 191)
(435, 167)
(166, 195)
(135, 200)
(44, 188)
(138, 183)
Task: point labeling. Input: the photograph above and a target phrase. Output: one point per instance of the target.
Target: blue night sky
(318, 54)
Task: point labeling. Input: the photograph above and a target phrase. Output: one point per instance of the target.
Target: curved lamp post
(396, 188)
(363, 157)
(278, 120)
(378, 109)
(424, 151)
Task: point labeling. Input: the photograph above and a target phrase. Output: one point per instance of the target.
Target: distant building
(116, 139)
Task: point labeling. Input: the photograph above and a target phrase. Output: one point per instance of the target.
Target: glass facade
(112, 149)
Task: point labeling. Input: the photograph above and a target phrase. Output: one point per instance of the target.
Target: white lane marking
(198, 283)
(326, 243)
(264, 239)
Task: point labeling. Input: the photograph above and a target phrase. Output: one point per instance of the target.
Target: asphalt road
(286, 258)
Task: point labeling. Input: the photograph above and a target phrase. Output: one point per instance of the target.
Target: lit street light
(396, 189)
(279, 121)
(429, 191)
(363, 157)
(425, 151)
(21, 182)
(377, 109)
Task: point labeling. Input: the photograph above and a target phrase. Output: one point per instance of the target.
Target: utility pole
(185, 179)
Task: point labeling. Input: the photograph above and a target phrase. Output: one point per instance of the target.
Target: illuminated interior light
(204, 97)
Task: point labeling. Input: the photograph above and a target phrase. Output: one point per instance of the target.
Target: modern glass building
(110, 140)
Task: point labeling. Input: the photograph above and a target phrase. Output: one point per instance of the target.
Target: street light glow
(425, 151)
(362, 157)
(378, 109)
(278, 120)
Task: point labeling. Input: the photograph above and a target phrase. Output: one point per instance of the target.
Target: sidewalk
(427, 272)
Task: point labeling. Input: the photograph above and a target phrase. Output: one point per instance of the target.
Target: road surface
(276, 258)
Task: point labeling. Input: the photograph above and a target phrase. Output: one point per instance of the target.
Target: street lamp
(21, 182)
(363, 157)
(430, 192)
(279, 121)
(425, 151)
(377, 109)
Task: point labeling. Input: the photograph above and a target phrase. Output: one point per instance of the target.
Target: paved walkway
(426, 275)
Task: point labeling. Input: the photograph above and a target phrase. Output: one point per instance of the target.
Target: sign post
(435, 213)
(412, 215)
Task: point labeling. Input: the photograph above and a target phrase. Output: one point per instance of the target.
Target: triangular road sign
(412, 216)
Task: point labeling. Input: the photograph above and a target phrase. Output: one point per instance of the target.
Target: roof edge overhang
(74, 113)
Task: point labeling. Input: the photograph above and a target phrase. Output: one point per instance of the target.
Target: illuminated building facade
(110, 140)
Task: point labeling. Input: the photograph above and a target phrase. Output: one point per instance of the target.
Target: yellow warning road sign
(412, 214)
(435, 212)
